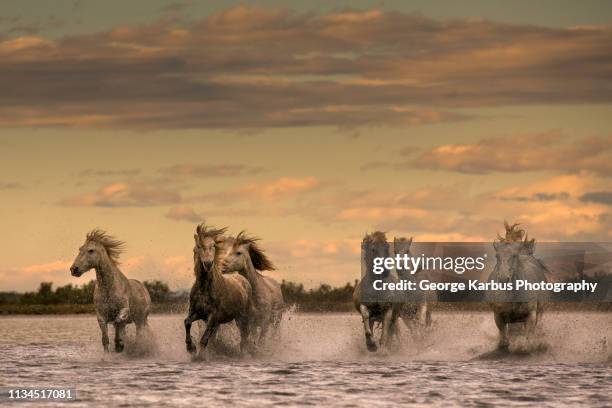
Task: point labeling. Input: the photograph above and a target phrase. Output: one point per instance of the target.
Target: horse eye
(238, 253)
(91, 251)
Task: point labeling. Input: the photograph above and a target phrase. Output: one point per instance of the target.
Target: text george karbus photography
(284, 203)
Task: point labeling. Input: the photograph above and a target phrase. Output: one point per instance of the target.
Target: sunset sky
(305, 123)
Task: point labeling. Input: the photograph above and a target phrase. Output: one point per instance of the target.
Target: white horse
(247, 258)
(415, 314)
(228, 297)
(118, 300)
(515, 261)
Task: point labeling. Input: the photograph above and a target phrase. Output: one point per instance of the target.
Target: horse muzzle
(74, 271)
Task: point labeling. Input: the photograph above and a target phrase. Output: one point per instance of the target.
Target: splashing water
(319, 359)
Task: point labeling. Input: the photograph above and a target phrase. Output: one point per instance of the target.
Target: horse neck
(211, 281)
(217, 283)
(107, 274)
(253, 276)
(202, 276)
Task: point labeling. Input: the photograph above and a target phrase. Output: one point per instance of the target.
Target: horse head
(208, 240)
(243, 253)
(375, 246)
(99, 247)
(507, 255)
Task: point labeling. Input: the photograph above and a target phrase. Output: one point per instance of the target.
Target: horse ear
(495, 245)
(196, 239)
(410, 241)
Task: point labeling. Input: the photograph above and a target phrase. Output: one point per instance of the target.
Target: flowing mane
(216, 234)
(259, 259)
(377, 237)
(113, 246)
(515, 234)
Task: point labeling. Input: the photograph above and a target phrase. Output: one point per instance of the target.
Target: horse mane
(515, 234)
(113, 246)
(204, 231)
(376, 237)
(258, 257)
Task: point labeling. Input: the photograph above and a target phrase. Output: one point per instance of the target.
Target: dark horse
(381, 310)
(216, 298)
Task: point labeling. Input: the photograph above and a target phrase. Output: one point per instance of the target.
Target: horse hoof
(119, 348)
(371, 346)
(191, 348)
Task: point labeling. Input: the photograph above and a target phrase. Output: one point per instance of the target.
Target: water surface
(320, 360)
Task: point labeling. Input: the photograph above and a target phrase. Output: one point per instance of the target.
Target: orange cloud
(132, 194)
(47, 267)
(537, 152)
(282, 187)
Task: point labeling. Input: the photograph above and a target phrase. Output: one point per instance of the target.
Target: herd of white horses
(230, 287)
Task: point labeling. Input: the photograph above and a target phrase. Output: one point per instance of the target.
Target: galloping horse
(247, 258)
(515, 261)
(118, 300)
(415, 314)
(375, 245)
(216, 298)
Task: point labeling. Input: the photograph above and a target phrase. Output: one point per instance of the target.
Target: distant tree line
(312, 299)
(83, 295)
(324, 298)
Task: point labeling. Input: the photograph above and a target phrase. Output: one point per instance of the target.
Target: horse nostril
(74, 269)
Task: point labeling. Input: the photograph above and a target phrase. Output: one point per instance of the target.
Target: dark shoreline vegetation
(71, 299)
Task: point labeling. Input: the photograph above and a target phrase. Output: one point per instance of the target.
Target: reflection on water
(320, 360)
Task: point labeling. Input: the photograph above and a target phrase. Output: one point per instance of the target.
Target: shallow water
(320, 360)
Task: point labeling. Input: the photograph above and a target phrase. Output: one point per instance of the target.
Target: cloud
(343, 68)
(518, 153)
(8, 185)
(183, 213)
(47, 267)
(105, 173)
(599, 197)
(126, 194)
(181, 172)
(541, 197)
(282, 187)
(276, 189)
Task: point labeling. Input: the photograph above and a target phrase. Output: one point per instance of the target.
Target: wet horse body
(118, 300)
(416, 314)
(216, 298)
(247, 258)
(515, 261)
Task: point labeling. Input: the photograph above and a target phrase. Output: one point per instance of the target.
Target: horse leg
(367, 327)
(119, 336)
(243, 326)
(191, 348)
(530, 323)
(504, 340)
(278, 317)
(394, 330)
(104, 329)
(264, 331)
(386, 326)
(211, 329)
(120, 323)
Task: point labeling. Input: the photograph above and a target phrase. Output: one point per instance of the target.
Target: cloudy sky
(306, 125)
